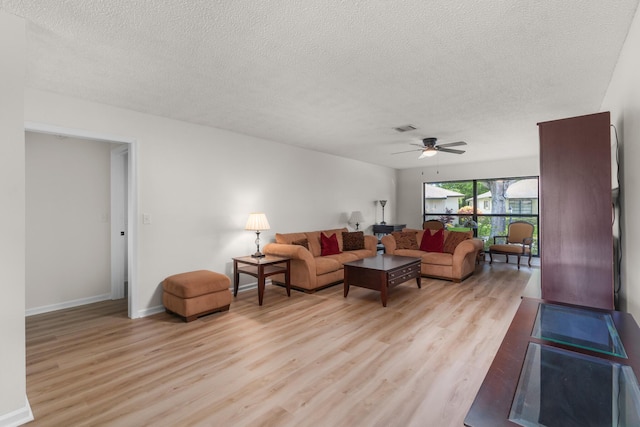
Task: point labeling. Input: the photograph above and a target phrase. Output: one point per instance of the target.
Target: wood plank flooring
(308, 360)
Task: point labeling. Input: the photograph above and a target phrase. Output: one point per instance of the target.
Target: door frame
(119, 200)
(132, 198)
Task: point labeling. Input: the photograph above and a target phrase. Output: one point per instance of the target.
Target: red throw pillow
(432, 242)
(329, 245)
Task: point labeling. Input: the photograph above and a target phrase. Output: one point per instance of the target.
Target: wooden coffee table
(381, 273)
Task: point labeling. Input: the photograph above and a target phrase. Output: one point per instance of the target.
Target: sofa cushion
(413, 253)
(454, 238)
(343, 257)
(434, 258)
(432, 242)
(405, 240)
(329, 245)
(437, 258)
(360, 253)
(352, 241)
(301, 242)
(326, 265)
(289, 238)
(512, 249)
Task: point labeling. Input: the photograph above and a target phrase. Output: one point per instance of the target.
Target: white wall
(14, 407)
(410, 181)
(67, 220)
(623, 100)
(198, 185)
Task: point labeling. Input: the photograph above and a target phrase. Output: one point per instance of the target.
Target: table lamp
(356, 218)
(257, 222)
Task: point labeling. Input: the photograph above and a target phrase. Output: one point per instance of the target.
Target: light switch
(146, 219)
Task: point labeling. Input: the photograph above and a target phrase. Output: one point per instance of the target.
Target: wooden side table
(261, 268)
(380, 230)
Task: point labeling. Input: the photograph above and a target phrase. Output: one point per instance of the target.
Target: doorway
(119, 222)
(123, 208)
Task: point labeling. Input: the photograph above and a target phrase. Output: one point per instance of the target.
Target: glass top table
(582, 328)
(559, 388)
(562, 365)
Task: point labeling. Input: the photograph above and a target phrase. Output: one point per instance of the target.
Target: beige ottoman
(196, 293)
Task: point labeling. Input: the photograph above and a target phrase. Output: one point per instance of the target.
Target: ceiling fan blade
(449, 150)
(417, 145)
(452, 144)
(408, 151)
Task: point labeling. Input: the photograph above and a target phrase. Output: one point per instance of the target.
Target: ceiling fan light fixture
(429, 152)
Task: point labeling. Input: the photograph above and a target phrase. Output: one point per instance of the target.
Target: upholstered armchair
(517, 242)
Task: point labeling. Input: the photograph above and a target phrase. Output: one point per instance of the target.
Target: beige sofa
(456, 267)
(309, 270)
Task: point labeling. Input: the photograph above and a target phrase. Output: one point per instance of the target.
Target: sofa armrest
(290, 251)
(303, 264)
(464, 258)
(389, 243)
(371, 243)
(466, 247)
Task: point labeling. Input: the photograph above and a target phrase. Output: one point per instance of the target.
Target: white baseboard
(252, 285)
(142, 313)
(66, 304)
(18, 417)
(151, 310)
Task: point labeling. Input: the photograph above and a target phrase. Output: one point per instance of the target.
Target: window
(520, 206)
(492, 203)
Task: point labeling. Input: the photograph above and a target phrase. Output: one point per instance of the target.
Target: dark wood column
(576, 239)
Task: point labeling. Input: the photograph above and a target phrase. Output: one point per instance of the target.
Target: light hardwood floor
(308, 360)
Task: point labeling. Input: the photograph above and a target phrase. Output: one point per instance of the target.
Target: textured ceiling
(337, 76)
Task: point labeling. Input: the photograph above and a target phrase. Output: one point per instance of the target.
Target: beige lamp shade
(257, 222)
(356, 217)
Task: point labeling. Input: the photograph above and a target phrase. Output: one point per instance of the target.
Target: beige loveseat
(456, 267)
(310, 270)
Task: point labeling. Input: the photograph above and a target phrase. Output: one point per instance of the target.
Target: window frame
(475, 216)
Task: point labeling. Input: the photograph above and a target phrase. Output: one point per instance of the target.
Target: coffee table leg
(419, 282)
(346, 282)
(383, 294)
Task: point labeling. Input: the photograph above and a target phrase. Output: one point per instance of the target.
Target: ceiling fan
(429, 148)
